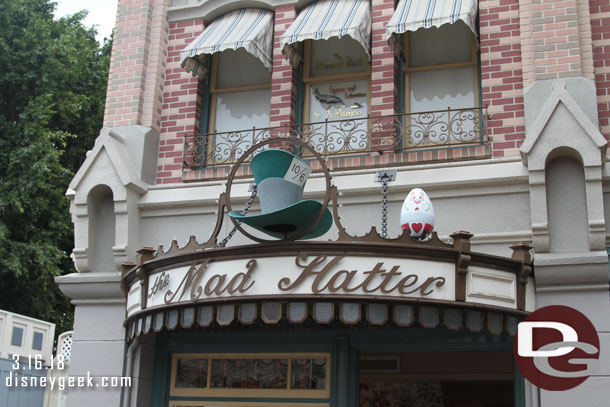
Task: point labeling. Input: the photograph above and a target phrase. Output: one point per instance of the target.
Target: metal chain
(384, 209)
(224, 241)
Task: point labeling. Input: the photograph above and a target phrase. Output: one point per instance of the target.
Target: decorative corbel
(125, 268)
(461, 242)
(521, 253)
(144, 254)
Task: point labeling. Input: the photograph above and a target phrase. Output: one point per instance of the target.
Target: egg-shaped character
(417, 214)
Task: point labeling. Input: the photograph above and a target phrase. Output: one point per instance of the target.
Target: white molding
(115, 147)
(561, 95)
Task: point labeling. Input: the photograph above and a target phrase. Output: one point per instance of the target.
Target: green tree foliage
(53, 76)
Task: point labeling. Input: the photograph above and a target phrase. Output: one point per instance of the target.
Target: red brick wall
(556, 39)
(501, 74)
(128, 63)
(600, 27)
(283, 78)
(383, 89)
(502, 90)
(181, 103)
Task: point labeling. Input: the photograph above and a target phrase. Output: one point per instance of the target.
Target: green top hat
(280, 178)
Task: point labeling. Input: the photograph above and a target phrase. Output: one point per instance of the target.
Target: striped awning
(324, 19)
(251, 29)
(411, 15)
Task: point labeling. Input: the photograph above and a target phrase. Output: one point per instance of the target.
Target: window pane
(439, 90)
(37, 342)
(249, 373)
(339, 100)
(443, 88)
(192, 373)
(17, 337)
(240, 68)
(308, 374)
(347, 101)
(242, 110)
(448, 44)
(336, 56)
(236, 114)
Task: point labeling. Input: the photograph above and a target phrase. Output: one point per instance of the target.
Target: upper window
(336, 73)
(336, 78)
(437, 44)
(239, 101)
(240, 89)
(441, 68)
(441, 86)
(236, 80)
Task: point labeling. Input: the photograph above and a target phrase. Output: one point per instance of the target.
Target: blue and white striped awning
(324, 19)
(411, 15)
(251, 29)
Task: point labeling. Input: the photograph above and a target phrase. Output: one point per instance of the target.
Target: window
(239, 101)
(249, 376)
(441, 79)
(236, 96)
(336, 77)
(17, 337)
(37, 341)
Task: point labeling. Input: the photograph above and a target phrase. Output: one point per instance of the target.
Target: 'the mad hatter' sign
(284, 276)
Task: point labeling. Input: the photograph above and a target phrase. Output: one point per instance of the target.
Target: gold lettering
(440, 281)
(407, 282)
(387, 277)
(321, 271)
(214, 285)
(344, 285)
(285, 285)
(377, 270)
(242, 278)
(193, 275)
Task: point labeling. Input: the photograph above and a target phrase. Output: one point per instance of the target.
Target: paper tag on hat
(298, 172)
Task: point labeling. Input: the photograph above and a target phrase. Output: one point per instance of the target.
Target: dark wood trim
(522, 254)
(461, 243)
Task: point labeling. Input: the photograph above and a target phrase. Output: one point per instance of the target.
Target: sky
(102, 13)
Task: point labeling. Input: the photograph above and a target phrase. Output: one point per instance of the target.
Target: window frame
(215, 91)
(407, 70)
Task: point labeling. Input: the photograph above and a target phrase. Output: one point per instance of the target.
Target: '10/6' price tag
(298, 172)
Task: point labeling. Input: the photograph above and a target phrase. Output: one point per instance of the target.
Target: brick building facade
(528, 163)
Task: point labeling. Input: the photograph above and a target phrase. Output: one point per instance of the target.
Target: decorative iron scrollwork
(393, 133)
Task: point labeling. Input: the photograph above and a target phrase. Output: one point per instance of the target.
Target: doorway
(436, 379)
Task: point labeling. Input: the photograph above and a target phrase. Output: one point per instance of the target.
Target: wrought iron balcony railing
(395, 133)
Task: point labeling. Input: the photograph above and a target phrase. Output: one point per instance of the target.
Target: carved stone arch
(113, 170)
(561, 128)
(564, 151)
